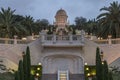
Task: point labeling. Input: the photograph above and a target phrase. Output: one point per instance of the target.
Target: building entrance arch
(72, 63)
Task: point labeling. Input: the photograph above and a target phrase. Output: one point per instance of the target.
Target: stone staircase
(13, 52)
(111, 52)
(10, 54)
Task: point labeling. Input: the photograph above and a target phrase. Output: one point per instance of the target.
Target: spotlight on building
(24, 38)
(38, 68)
(102, 62)
(37, 74)
(85, 63)
(39, 63)
(87, 68)
(88, 74)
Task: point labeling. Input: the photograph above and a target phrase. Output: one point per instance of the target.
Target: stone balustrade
(58, 38)
(62, 39)
(108, 41)
(103, 41)
(12, 41)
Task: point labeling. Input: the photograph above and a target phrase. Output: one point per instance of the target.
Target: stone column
(82, 36)
(6, 40)
(54, 38)
(91, 36)
(15, 39)
(33, 36)
(109, 39)
(70, 37)
(42, 34)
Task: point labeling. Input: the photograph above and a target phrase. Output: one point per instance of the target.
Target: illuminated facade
(62, 56)
(61, 18)
(61, 22)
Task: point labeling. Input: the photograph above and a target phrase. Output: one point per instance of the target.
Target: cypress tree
(105, 71)
(25, 67)
(28, 62)
(32, 77)
(110, 76)
(17, 76)
(20, 70)
(94, 78)
(99, 74)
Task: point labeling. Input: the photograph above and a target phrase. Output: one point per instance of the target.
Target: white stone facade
(13, 52)
(58, 58)
(58, 53)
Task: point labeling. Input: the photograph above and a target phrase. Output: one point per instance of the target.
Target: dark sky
(46, 9)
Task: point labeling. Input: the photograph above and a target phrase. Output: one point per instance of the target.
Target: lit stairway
(111, 52)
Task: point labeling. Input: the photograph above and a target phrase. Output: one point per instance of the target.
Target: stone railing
(57, 38)
(108, 41)
(62, 40)
(12, 41)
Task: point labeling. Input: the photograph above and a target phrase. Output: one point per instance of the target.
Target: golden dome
(61, 12)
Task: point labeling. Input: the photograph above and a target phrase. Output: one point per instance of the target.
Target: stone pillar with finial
(42, 34)
(109, 39)
(82, 36)
(54, 37)
(70, 37)
(15, 39)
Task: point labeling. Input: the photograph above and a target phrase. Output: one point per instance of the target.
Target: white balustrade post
(70, 37)
(82, 35)
(42, 34)
(15, 39)
(91, 36)
(33, 36)
(109, 39)
(54, 38)
(6, 40)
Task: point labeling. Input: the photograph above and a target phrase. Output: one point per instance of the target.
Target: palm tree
(28, 22)
(8, 26)
(92, 27)
(110, 20)
(20, 19)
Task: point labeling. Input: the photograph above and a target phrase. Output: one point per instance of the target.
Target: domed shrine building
(61, 21)
(62, 56)
(61, 18)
